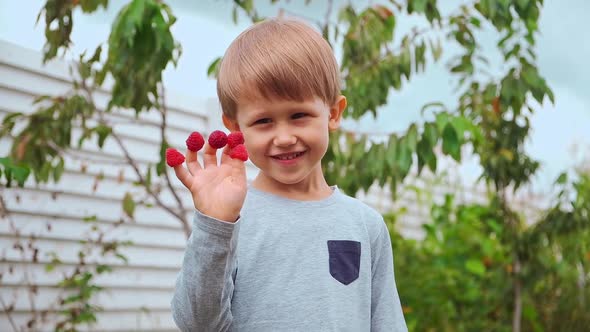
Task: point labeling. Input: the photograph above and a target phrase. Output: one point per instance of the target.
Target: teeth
(289, 157)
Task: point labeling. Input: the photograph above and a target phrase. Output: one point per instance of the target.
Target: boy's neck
(307, 190)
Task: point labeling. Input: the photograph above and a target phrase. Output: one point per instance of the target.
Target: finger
(225, 158)
(209, 156)
(184, 176)
(238, 167)
(192, 162)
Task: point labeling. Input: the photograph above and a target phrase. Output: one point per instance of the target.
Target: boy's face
(285, 139)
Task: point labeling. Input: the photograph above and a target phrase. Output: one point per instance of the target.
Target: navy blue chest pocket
(345, 260)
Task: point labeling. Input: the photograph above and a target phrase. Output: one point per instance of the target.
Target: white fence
(137, 294)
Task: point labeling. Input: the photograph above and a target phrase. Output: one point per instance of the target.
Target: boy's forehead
(251, 107)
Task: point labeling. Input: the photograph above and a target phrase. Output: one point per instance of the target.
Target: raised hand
(218, 191)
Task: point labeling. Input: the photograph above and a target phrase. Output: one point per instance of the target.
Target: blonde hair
(277, 58)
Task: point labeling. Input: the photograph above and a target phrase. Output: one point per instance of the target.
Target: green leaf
(451, 144)
(103, 132)
(406, 62)
(442, 119)
(21, 173)
(495, 226)
(435, 104)
(412, 137)
(5, 161)
(476, 267)
(550, 95)
(161, 166)
(89, 6)
(96, 55)
(390, 154)
(461, 124)
(418, 6)
(430, 133)
(213, 69)
(128, 205)
(421, 151)
(101, 268)
(58, 170)
(248, 5)
(122, 257)
(404, 158)
(562, 179)
(425, 155)
(148, 177)
(90, 218)
(235, 15)
(436, 49)
(135, 12)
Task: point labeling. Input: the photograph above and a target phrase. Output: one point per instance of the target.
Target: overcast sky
(205, 29)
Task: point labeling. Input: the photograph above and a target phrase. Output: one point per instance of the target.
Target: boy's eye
(262, 121)
(298, 115)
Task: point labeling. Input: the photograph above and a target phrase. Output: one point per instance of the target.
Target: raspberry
(235, 138)
(239, 152)
(173, 157)
(195, 141)
(217, 139)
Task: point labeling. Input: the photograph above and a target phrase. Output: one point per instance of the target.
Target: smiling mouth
(288, 156)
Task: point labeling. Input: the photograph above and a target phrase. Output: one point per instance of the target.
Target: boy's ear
(336, 113)
(231, 125)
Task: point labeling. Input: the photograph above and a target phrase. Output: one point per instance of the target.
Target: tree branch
(164, 112)
(391, 52)
(133, 164)
(74, 156)
(8, 315)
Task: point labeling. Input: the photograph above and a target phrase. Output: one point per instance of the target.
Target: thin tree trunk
(516, 318)
(581, 283)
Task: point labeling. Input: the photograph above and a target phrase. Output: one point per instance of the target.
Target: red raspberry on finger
(239, 152)
(173, 157)
(235, 138)
(217, 139)
(195, 141)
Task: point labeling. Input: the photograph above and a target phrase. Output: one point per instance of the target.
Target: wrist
(224, 217)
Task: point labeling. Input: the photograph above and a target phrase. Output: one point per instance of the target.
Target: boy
(287, 252)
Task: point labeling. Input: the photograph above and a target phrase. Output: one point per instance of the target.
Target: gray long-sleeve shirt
(289, 265)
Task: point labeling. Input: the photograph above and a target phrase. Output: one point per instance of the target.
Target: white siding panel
(153, 255)
(119, 321)
(73, 230)
(19, 101)
(27, 84)
(124, 310)
(77, 206)
(122, 276)
(145, 320)
(14, 56)
(111, 298)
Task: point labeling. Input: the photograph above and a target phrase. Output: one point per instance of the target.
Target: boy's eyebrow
(255, 114)
(262, 112)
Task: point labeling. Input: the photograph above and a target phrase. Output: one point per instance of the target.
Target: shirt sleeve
(386, 310)
(205, 284)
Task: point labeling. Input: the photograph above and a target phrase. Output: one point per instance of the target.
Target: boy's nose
(284, 138)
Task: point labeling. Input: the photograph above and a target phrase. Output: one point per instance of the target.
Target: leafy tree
(461, 275)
